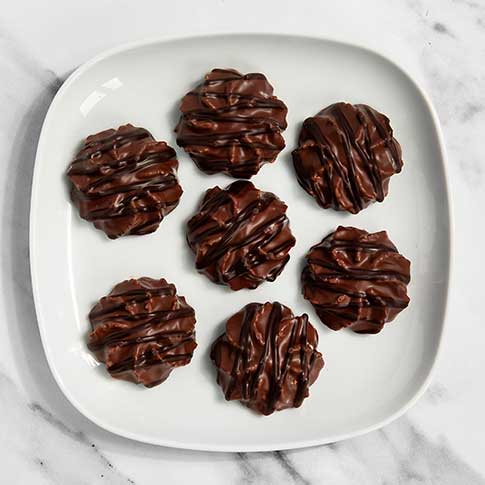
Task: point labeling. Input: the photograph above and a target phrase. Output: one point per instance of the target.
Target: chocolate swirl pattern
(346, 155)
(232, 123)
(142, 330)
(240, 236)
(355, 279)
(124, 181)
(267, 358)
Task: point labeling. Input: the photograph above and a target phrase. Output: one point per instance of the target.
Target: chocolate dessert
(267, 358)
(240, 236)
(356, 279)
(346, 155)
(232, 123)
(124, 181)
(142, 330)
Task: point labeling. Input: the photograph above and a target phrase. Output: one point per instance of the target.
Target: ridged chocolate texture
(124, 181)
(346, 155)
(267, 358)
(142, 330)
(240, 236)
(232, 123)
(355, 279)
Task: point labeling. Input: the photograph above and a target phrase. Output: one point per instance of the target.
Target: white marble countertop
(44, 440)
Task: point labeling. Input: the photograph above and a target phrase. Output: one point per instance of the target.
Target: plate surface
(368, 380)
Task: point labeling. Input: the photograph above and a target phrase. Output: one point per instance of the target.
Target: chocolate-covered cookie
(142, 330)
(124, 181)
(240, 236)
(356, 279)
(232, 123)
(267, 358)
(346, 155)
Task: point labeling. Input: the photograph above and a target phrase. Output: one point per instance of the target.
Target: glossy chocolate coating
(267, 358)
(346, 155)
(240, 236)
(355, 279)
(232, 123)
(142, 330)
(124, 181)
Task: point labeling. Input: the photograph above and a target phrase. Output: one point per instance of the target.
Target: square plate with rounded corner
(368, 380)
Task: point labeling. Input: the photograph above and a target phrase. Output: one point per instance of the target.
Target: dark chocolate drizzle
(240, 236)
(346, 156)
(232, 123)
(355, 279)
(124, 181)
(268, 358)
(142, 330)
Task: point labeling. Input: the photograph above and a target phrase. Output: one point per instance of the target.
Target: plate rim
(124, 47)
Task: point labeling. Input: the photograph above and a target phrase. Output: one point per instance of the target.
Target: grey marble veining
(399, 453)
(42, 446)
(43, 440)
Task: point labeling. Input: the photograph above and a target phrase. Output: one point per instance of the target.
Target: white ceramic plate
(368, 380)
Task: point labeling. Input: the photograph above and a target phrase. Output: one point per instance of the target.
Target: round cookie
(267, 358)
(346, 155)
(240, 236)
(142, 330)
(232, 123)
(124, 181)
(356, 279)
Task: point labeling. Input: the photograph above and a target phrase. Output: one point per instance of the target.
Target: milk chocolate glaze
(346, 155)
(232, 123)
(142, 330)
(124, 181)
(267, 358)
(356, 279)
(240, 236)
